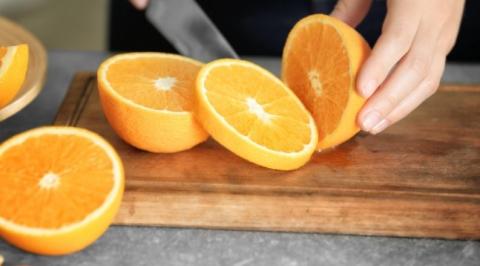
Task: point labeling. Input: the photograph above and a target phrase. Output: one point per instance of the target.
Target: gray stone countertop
(122, 245)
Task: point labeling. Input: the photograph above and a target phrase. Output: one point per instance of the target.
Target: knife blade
(186, 26)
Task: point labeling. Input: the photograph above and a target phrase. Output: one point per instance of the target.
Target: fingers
(139, 4)
(407, 76)
(452, 27)
(426, 88)
(408, 60)
(399, 30)
(351, 12)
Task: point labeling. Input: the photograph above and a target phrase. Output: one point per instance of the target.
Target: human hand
(407, 61)
(139, 4)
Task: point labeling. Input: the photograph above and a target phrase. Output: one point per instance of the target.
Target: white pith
(49, 180)
(165, 83)
(255, 108)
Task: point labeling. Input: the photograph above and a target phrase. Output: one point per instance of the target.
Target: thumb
(351, 12)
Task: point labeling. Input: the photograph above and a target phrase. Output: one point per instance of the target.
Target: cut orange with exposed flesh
(254, 115)
(13, 69)
(321, 59)
(148, 100)
(60, 188)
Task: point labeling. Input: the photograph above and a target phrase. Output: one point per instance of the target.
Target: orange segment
(148, 100)
(254, 115)
(60, 189)
(320, 63)
(13, 69)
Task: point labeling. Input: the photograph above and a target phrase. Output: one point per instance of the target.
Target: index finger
(399, 29)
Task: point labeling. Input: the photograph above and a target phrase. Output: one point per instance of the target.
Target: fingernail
(371, 119)
(368, 89)
(379, 127)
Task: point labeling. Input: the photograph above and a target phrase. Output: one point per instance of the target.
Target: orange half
(148, 100)
(60, 188)
(253, 114)
(321, 59)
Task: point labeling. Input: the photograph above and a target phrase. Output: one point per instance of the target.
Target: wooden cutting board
(420, 178)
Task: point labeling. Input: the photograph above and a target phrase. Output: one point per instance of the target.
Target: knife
(186, 26)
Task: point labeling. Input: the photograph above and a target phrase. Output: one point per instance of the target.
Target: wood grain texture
(13, 34)
(420, 178)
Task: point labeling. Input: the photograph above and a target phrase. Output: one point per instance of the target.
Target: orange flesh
(283, 126)
(85, 179)
(136, 79)
(319, 74)
(3, 52)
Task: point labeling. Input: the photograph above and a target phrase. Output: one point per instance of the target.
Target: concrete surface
(171, 246)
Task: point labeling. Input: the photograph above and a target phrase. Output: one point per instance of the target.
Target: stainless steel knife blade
(186, 26)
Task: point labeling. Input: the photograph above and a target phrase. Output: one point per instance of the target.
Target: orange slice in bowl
(13, 69)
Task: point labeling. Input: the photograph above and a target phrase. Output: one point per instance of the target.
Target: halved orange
(13, 69)
(321, 59)
(254, 115)
(60, 188)
(148, 100)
